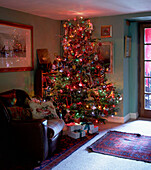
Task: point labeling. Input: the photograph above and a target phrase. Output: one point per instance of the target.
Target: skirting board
(117, 119)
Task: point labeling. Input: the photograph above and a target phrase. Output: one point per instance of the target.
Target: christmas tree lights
(79, 86)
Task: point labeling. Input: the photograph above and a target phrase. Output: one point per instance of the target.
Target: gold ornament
(85, 80)
(74, 67)
(64, 105)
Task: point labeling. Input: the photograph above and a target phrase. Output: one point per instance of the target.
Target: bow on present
(79, 131)
(87, 125)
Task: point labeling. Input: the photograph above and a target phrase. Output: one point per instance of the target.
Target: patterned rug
(124, 145)
(67, 147)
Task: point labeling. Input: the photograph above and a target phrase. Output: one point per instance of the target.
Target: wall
(133, 69)
(45, 35)
(117, 23)
(125, 75)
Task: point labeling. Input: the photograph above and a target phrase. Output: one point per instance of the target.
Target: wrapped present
(87, 126)
(94, 130)
(76, 134)
(73, 126)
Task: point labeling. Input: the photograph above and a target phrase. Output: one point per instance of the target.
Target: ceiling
(68, 9)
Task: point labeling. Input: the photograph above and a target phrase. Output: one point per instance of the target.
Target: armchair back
(9, 98)
(21, 139)
(25, 139)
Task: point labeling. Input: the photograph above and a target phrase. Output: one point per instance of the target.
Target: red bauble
(105, 112)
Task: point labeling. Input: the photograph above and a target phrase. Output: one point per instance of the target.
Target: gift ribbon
(79, 131)
(87, 125)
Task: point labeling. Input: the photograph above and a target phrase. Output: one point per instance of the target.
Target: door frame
(142, 112)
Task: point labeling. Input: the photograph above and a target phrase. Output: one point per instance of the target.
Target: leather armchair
(24, 139)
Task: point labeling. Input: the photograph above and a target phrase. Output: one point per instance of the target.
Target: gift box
(91, 127)
(76, 134)
(87, 126)
(73, 126)
(94, 130)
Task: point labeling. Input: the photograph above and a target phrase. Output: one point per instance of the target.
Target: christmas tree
(79, 86)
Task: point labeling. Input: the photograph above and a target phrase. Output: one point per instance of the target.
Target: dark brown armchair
(24, 139)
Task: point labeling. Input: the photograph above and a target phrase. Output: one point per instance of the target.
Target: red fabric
(19, 113)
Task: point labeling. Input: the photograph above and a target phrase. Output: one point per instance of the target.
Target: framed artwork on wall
(128, 46)
(106, 54)
(16, 47)
(106, 31)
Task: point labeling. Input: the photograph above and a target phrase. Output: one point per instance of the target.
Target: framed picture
(106, 54)
(127, 46)
(106, 31)
(16, 47)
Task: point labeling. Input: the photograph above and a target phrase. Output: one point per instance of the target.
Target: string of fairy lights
(79, 86)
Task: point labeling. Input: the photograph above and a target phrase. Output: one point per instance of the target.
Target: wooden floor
(110, 125)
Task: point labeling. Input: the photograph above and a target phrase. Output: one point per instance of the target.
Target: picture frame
(128, 40)
(16, 47)
(106, 54)
(106, 31)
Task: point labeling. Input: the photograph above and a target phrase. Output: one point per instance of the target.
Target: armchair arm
(29, 138)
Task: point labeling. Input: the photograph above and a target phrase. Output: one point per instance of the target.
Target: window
(147, 68)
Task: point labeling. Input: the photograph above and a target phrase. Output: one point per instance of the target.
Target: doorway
(144, 101)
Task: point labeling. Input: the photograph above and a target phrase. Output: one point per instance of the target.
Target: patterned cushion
(41, 109)
(19, 113)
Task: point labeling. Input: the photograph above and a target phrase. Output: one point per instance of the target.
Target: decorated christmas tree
(79, 86)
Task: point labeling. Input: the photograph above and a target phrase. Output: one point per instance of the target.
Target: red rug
(124, 145)
(67, 147)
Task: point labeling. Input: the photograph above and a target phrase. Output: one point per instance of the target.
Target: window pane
(148, 101)
(147, 68)
(147, 85)
(147, 52)
(147, 37)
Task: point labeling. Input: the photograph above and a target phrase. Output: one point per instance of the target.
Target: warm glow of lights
(67, 87)
(59, 59)
(80, 77)
(80, 84)
(68, 107)
(99, 107)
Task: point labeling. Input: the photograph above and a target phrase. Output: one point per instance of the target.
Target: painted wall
(133, 69)
(125, 76)
(45, 35)
(117, 23)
